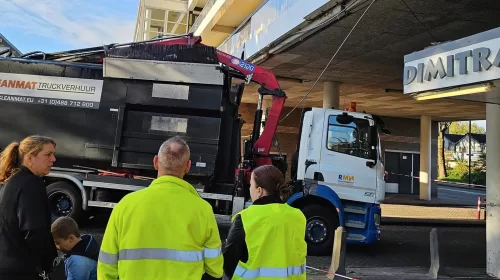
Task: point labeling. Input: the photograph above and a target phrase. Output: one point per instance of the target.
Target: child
(82, 252)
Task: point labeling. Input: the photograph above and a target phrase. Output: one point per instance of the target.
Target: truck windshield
(351, 139)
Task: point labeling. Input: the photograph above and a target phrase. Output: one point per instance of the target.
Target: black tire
(320, 229)
(64, 200)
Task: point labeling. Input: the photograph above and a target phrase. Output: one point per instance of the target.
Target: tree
(443, 126)
(463, 128)
(481, 163)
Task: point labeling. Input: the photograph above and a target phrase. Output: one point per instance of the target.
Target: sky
(481, 123)
(58, 25)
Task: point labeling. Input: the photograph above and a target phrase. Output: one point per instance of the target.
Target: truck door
(346, 161)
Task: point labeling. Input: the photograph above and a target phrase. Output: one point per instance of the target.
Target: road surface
(400, 246)
(402, 250)
(460, 195)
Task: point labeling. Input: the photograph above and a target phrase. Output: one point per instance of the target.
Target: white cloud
(80, 23)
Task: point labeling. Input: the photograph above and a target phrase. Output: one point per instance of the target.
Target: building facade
(165, 17)
(457, 148)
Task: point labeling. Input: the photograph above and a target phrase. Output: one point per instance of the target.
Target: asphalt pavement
(409, 246)
(462, 196)
(401, 247)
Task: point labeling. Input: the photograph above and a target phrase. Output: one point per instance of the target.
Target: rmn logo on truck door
(346, 179)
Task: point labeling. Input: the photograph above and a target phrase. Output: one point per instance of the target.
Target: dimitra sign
(49, 90)
(466, 61)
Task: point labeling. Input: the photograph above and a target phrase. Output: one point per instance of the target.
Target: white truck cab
(339, 177)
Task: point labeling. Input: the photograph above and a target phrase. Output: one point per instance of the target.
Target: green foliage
(481, 164)
(461, 174)
(463, 128)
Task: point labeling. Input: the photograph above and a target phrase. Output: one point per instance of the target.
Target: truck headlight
(376, 218)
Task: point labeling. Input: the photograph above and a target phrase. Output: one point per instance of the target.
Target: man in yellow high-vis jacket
(165, 231)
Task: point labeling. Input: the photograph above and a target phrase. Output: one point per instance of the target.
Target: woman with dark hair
(26, 245)
(268, 238)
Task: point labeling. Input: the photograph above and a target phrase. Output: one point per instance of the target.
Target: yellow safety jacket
(275, 239)
(165, 231)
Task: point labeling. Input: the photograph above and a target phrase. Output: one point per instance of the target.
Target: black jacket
(26, 243)
(235, 249)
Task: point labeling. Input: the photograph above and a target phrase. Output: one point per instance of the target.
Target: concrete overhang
(221, 19)
(370, 64)
(172, 5)
(196, 4)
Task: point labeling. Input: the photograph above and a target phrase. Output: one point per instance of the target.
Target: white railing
(203, 14)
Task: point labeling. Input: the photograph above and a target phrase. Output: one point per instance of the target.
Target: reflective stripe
(212, 253)
(161, 254)
(270, 272)
(108, 258)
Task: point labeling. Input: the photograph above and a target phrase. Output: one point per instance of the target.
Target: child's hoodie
(81, 262)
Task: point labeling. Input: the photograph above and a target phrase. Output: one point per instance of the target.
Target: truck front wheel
(64, 200)
(320, 229)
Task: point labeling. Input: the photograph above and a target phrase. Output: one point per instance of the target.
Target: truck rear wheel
(320, 229)
(64, 200)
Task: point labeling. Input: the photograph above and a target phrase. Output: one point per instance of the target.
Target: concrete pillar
(331, 95)
(434, 158)
(493, 190)
(267, 102)
(425, 158)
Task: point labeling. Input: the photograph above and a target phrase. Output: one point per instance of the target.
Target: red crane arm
(269, 86)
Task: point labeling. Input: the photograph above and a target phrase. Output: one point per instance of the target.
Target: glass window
(243, 35)
(156, 26)
(351, 139)
(157, 14)
(152, 35)
(181, 29)
(173, 16)
(173, 28)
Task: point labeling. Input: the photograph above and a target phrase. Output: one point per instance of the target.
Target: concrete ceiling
(371, 60)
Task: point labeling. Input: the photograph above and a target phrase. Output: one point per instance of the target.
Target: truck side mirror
(344, 118)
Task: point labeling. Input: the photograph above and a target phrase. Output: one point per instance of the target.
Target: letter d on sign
(410, 73)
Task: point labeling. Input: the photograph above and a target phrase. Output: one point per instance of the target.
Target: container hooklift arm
(268, 86)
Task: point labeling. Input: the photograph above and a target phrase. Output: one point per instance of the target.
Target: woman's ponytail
(9, 162)
(271, 179)
(284, 191)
